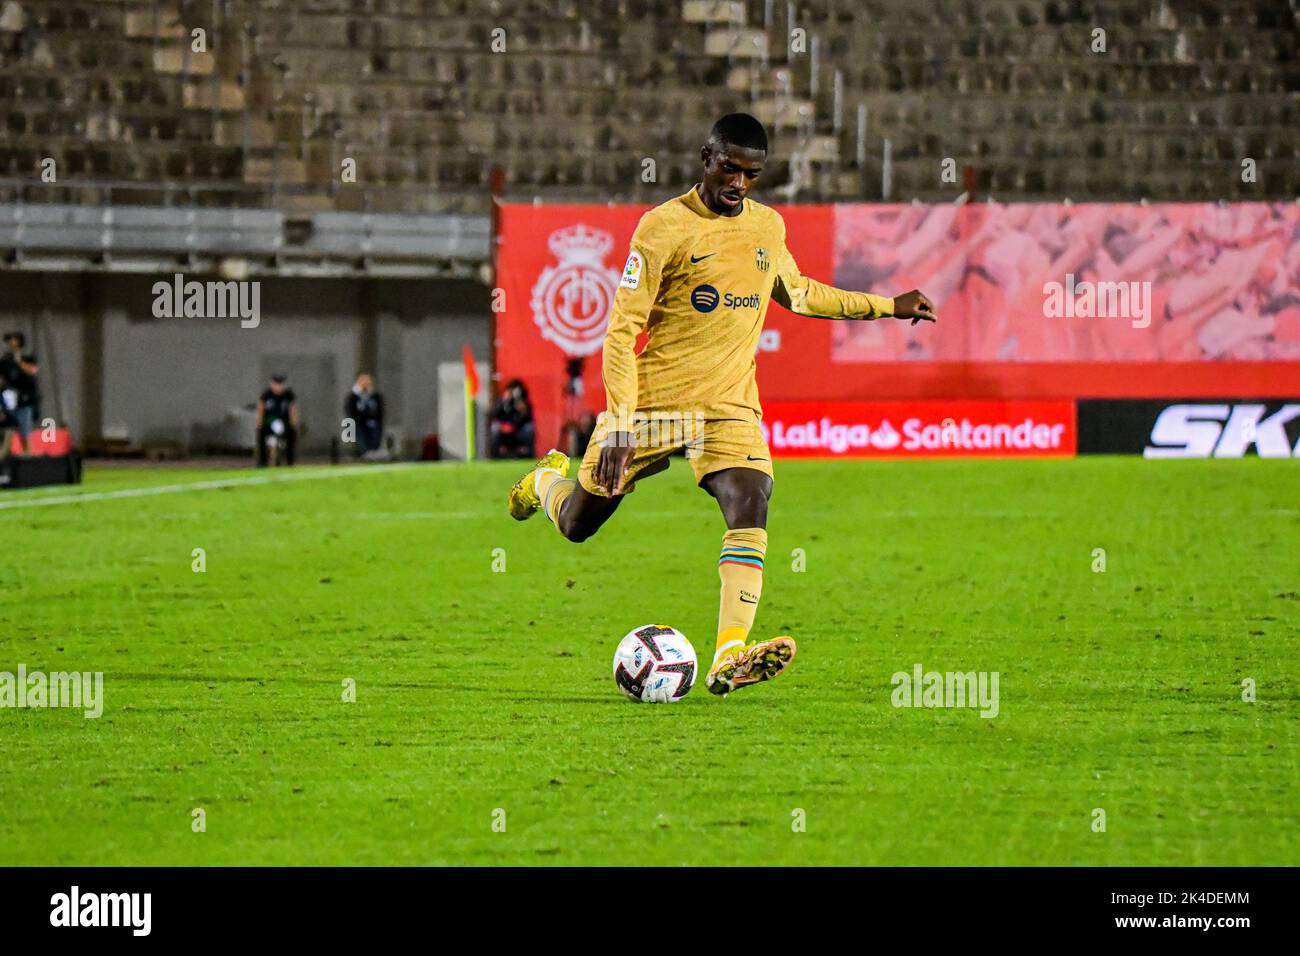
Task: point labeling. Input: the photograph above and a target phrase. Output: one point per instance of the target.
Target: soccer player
(701, 272)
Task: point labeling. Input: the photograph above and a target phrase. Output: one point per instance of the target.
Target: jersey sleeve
(805, 296)
(652, 247)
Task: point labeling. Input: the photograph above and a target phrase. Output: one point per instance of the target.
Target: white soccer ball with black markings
(655, 664)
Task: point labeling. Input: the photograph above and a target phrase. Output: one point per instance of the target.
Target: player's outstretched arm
(804, 296)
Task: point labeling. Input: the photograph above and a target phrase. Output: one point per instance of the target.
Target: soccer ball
(655, 664)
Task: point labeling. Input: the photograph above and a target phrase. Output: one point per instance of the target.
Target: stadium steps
(411, 86)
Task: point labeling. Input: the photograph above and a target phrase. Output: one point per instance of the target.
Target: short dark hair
(22, 339)
(740, 129)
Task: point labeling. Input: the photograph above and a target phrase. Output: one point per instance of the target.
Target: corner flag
(471, 389)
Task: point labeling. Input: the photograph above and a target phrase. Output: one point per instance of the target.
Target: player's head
(733, 158)
(277, 384)
(365, 382)
(15, 341)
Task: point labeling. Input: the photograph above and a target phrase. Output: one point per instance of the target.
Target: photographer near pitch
(277, 424)
(365, 407)
(19, 393)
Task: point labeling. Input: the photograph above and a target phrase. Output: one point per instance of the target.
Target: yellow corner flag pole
(469, 425)
(471, 390)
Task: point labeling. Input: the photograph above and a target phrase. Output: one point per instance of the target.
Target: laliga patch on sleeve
(632, 271)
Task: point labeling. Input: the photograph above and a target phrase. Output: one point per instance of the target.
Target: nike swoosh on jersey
(752, 458)
(748, 601)
(694, 260)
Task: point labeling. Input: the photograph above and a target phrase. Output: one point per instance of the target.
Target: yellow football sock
(741, 569)
(554, 492)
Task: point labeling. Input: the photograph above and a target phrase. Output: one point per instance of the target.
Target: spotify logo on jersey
(704, 298)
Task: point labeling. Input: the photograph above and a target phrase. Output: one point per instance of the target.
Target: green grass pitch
(481, 690)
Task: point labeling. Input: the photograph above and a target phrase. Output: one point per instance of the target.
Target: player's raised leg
(576, 513)
(742, 493)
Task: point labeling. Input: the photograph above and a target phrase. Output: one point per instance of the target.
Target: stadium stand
(280, 93)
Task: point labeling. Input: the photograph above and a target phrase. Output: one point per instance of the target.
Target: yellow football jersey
(699, 283)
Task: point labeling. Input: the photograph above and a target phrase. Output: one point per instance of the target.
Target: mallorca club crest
(571, 300)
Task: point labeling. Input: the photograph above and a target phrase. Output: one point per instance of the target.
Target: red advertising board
(1035, 301)
(920, 429)
(42, 442)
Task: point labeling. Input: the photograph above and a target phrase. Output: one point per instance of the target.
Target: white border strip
(343, 472)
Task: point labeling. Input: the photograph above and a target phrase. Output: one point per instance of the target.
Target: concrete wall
(176, 380)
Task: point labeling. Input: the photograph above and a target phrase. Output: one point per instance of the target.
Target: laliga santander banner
(923, 429)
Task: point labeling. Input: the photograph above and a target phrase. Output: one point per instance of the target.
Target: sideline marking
(208, 485)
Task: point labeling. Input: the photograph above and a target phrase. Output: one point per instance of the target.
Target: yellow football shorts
(711, 445)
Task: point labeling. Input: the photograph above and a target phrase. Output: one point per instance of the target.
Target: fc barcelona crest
(761, 260)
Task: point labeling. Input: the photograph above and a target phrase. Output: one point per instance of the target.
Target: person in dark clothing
(512, 428)
(365, 407)
(10, 375)
(277, 422)
(20, 395)
(14, 343)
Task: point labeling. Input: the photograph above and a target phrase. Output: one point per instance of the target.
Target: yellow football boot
(738, 665)
(524, 500)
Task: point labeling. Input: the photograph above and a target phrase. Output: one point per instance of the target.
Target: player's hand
(915, 306)
(615, 457)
